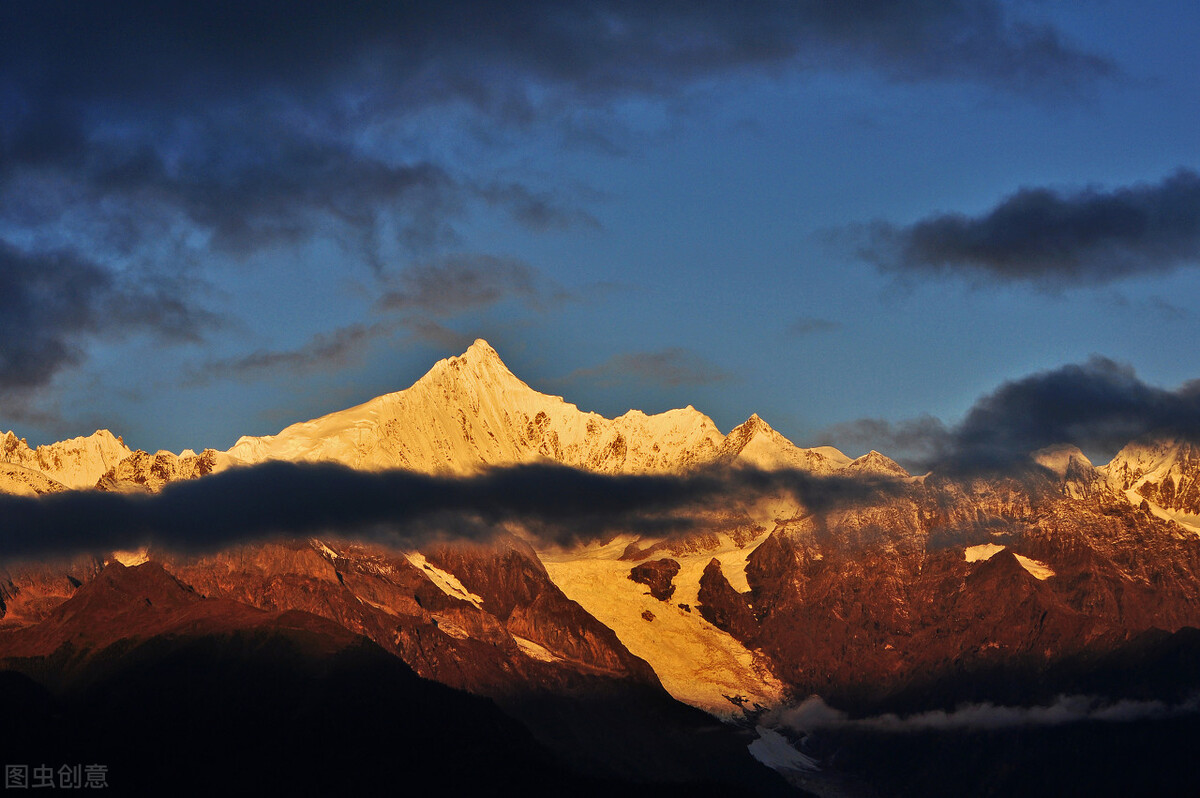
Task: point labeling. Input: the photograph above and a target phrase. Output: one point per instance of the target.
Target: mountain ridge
(473, 412)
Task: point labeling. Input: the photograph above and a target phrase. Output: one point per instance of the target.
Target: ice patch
(773, 750)
(984, 551)
(1039, 569)
(445, 580)
(534, 651)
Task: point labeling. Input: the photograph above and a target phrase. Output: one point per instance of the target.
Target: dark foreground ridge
(179, 694)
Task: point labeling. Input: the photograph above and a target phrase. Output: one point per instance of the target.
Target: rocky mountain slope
(165, 686)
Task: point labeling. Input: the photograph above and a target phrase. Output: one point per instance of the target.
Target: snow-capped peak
(471, 411)
(1058, 458)
(754, 442)
(1165, 472)
(877, 464)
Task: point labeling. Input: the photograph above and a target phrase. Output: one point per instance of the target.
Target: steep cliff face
(724, 607)
(142, 471)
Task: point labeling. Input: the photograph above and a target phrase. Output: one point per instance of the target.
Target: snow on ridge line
(985, 551)
(471, 411)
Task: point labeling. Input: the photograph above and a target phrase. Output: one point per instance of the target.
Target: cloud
(915, 443)
(142, 132)
(811, 325)
(51, 303)
(458, 283)
(1053, 239)
(323, 351)
(238, 127)
(672, 368)
(272, 106)
(399, 508)
(814, 715)
(536, 210)
(472, 50)
(1099, 406)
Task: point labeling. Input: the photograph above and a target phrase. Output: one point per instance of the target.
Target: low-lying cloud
(1053, 239)
(814, 715)
(556, 503)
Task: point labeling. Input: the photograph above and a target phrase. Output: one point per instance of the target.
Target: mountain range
(682, 660)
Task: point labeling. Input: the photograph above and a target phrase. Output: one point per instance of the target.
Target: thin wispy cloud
(814, 715)
(459, 283)
(324, 351)
(671, 368)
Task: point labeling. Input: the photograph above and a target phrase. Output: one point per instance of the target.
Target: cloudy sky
(877, 224)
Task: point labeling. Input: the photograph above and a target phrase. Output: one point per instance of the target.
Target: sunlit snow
(445, 580)
(696, 662)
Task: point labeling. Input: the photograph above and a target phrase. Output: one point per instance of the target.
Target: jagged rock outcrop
(862, 600)
(656, 575)
(30, 591)
(724, 607)
(142, 471)
(223, 675)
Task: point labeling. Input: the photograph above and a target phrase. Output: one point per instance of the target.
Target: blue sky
(859, 220)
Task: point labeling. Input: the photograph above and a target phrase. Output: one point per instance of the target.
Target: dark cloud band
(395, 507)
